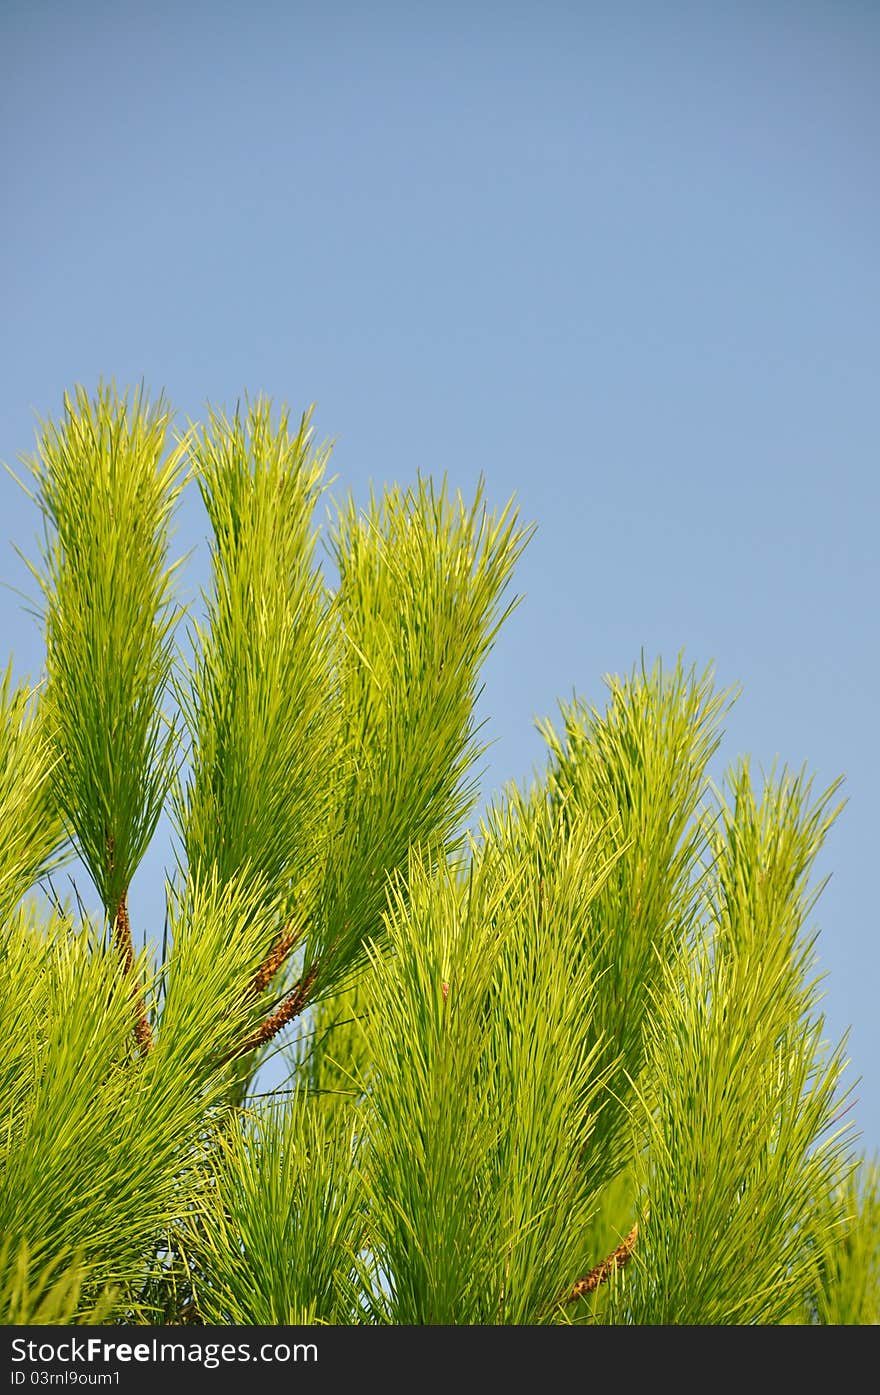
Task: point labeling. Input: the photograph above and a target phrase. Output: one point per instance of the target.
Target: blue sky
(620, 258)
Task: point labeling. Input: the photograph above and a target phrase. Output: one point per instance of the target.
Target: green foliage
(102, 1150)
(421, 579)
(636, 772)
(479, 1070)
(566, 1064)
(49, 1297)
(106, 495)
(261, 728)
(740, 1139)
(31, 829)
(280, 1224)
(846, 1286)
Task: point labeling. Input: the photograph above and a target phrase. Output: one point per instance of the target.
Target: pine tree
(564, 1062)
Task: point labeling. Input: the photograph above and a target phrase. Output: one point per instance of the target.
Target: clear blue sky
(620, 257)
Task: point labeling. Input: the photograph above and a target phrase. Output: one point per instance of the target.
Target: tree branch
(122, 936)
(289, 1008)
(603, 1271)
(275, 958)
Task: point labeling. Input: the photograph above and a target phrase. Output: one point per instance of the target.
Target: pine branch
(123, 940)
(602, 1272)
(290, 1007)
(275, 958)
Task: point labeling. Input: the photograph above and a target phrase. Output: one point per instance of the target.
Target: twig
(122, 936)
(290, 1007)
(274, 959)
(603, 1271)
